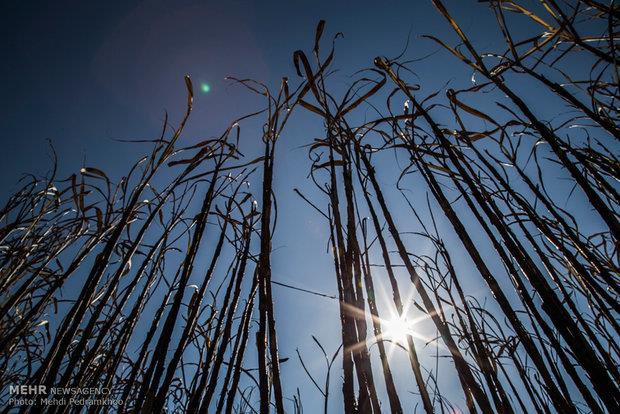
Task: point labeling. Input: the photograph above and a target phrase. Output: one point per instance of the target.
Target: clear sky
(83, 73)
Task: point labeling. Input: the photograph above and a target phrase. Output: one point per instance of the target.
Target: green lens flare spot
(205, 87)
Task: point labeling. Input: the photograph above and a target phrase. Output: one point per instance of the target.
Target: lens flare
(205, 87)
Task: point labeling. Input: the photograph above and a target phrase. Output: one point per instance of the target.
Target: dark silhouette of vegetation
(476, 177)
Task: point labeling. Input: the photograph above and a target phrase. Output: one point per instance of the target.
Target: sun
(397, 329)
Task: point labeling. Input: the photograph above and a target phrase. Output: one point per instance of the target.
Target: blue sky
(83, 74)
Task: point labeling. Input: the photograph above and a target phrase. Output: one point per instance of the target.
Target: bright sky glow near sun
(397, 329)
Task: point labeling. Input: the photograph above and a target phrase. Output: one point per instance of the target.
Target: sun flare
(397, 329)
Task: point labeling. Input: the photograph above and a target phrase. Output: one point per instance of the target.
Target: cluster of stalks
(548, 341)
(144, 288)
(503, 224)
